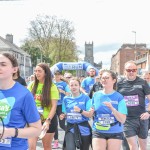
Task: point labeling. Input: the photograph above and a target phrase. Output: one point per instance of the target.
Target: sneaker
(55, 145)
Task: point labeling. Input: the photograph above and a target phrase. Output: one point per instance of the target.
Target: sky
(108, 23)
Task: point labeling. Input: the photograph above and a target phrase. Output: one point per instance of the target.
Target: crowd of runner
(118, 107)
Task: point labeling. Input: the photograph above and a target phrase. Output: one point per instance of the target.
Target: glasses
(104, 78)
(131, 70)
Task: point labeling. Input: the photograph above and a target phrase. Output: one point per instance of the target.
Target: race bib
(132, 100)
(74, 116)
(105, 119)
(5, 142)
(40, 110)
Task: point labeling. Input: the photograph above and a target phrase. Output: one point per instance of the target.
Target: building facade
(125, 53)
(24, 59)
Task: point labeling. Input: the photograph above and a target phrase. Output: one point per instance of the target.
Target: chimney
(9, 38)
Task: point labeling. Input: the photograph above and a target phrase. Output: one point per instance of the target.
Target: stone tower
(89, 53)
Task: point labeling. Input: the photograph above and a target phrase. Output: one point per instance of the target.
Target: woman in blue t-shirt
(109, 116)
(75, 108)
(18, 109)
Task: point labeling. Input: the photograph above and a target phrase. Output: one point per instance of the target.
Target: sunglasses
(131, 70)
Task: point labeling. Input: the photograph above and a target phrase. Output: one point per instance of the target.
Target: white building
(24, 59)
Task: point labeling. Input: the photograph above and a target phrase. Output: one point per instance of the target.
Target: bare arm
(33, 130)
(83, 91)
(88, 114)
(51, 115)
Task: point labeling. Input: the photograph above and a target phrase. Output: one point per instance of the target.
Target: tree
(53, 38)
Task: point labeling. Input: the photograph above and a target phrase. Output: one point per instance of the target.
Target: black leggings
(70, 142)
(61, 122)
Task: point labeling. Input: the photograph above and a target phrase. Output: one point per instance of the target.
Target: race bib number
(132, 100)
(105, 119)
(74, 116)
(40, 110)
(5, 142)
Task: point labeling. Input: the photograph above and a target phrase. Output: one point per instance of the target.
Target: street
(61, 135)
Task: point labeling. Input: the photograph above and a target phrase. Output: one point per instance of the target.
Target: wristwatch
(81, 111)
(16, 133)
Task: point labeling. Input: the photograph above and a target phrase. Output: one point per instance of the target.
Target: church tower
(89, 53)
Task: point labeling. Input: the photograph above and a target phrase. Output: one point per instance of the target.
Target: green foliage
(51, 38)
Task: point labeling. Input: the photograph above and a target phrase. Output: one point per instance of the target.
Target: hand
(61, 91)
(46, 125)
(76, 109)
(62, 116)
(8, 132)
(145, 116)
(109, 105)
(91, 111)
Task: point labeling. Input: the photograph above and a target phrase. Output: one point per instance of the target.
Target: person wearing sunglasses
(134, 89)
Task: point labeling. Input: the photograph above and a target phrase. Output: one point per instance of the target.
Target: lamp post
(134, 44)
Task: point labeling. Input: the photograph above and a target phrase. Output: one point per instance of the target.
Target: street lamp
(134, 43)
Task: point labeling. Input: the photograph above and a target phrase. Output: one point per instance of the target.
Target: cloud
(102, 53)
(107, 47)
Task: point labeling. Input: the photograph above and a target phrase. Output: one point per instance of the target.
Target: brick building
(125, 53)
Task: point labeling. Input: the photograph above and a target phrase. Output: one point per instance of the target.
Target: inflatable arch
(72, 66)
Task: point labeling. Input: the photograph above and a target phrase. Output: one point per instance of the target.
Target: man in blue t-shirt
(88, 82)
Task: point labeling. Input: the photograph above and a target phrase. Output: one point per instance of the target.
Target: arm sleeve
(67, 89)
(54, 92)
(122, 108)
(63, 107)
(29, 109)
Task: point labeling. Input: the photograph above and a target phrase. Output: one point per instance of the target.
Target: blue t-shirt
(63, 86)
(104, 115)
(82, 102)
(17, 109)
(87, 84)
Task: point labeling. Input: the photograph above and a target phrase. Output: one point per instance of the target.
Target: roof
(8, 46)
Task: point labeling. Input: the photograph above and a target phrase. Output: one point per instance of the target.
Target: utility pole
(135, 52)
